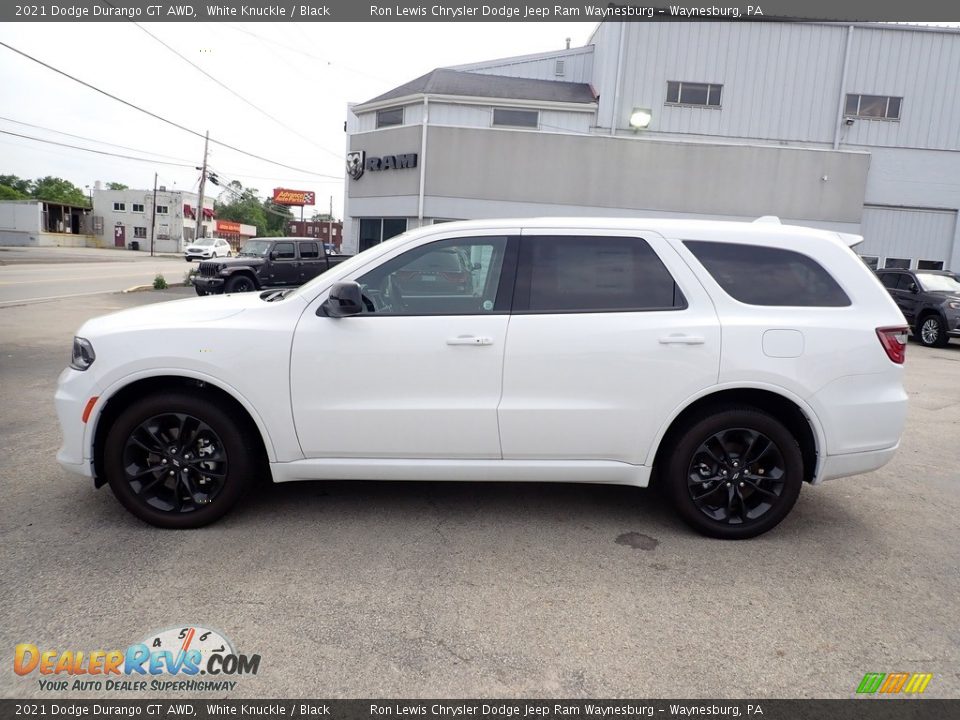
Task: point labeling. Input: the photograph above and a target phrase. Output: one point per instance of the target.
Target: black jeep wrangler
(263, 263)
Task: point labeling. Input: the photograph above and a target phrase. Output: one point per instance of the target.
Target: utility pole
(153, 218)
(330, 224)
(203, 180)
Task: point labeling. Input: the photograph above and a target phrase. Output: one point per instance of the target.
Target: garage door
(896, 236)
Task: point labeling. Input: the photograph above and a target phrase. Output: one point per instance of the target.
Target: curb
(143, 288)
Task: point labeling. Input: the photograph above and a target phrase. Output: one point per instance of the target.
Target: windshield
(930, 282)
(256, 248)
(204, 241)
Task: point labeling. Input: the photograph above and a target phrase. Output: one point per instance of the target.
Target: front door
(418, 374)
(284, 265)
(119, 236)
(609, 334)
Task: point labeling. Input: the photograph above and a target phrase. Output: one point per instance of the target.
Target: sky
(301, 74)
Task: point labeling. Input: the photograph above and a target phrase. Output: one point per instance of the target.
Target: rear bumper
(837, 466)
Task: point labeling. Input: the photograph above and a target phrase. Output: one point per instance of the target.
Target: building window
(897, 263)
(558, 68)
(119, 207)
(392, 116)
(374, 231)
(929, 264)
(690, 93)
(880, 107)
(137, 207)
(516, 118)
(871, 261)
(140, 232)
(161, 209)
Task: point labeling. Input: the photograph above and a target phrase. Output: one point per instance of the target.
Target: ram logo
(355, 161)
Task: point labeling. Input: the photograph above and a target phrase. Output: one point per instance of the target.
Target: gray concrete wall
(388, 141)
(605, 172)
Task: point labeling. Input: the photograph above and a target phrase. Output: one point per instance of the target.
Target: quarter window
(759, 275)
(691, 93)
(883, 107)
(592, 274)
(460, 276)
(516, 118)
(391, 116)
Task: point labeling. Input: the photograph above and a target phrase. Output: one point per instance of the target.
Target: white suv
(729, 362)
(206, 248)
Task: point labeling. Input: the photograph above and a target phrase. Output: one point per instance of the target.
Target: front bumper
(197, 256)
(209, 284)
(74, 388)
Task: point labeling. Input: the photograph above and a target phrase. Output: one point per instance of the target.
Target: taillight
(894, 341)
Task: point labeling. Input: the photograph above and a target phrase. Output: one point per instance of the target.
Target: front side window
(761, 275)
(692, 93)
(882, 107)
(391, 116)
(460, 276)
(592, 274)
(506, 117)
(889, 280)
(284, 251)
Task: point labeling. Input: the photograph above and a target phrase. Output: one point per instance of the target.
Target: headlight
(83, 355)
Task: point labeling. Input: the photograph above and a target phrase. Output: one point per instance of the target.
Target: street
(30, 275)
(351, 589)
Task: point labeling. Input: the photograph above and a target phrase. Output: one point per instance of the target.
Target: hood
(175, 313)
(245, 261)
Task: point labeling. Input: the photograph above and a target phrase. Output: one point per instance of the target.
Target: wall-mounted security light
(849, 121)
(640, 118)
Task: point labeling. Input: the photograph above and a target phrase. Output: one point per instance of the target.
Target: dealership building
(851, 127)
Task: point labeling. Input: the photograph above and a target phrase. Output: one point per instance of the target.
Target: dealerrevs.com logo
(199, 658)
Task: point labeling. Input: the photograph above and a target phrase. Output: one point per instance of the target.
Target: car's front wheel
(735, 473)
(177, 460)
(199, 290)
(239, 283)
(931, 332)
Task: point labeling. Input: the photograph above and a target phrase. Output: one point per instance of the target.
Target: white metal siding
(577, 66)
(908, 233)
(462, 115)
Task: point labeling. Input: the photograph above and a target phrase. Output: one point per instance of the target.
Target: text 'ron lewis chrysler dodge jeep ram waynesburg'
(730, 362)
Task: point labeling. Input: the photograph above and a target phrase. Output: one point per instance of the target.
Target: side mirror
(273, 254)
(913, 288)
(345, 299)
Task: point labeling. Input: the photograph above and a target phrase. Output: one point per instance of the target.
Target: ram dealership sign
(358, 162)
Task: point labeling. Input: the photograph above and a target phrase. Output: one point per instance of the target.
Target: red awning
(208, 213)
(188, 211)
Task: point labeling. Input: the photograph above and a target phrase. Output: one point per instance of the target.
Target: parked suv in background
(929, 300)
(731, 362)
(207, 248)
(266, 262)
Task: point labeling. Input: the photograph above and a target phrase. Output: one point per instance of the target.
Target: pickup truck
(263, 263)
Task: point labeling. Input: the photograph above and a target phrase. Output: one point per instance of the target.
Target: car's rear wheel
(239, 283)
(177, 461)
(735, 473)
(931, 332)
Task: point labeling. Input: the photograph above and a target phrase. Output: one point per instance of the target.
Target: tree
(117, 186)
(277, 218)
(242, 206)
(10, 193)
(54, 189)
(21, 185)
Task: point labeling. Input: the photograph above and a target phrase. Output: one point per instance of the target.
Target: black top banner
(472, 11)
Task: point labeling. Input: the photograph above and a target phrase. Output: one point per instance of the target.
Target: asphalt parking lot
(352, 589)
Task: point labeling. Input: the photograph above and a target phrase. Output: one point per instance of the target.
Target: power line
(163, 119)
(235, 93)
(102, 142)
(98, 152)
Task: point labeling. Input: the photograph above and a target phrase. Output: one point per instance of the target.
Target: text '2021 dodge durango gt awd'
(730, 362)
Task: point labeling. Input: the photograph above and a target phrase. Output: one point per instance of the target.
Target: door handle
(469, 340)
(682, 340)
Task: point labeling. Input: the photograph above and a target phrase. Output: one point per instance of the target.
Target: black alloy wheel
(239, 284)
(735, 474)
(177, 461)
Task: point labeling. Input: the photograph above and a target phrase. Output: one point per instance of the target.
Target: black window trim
(709, 85)
(503, 300)
(524, 273)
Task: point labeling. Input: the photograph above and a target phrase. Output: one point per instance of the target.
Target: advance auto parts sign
(285, 196)
(358, 162)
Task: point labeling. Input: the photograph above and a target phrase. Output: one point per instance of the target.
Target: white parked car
(206, 248)
(730, 362)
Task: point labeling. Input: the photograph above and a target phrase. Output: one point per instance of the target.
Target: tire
(144, 441)
(931, 332)
(239, 283)
(719, 495)
(200, 291)
(189, 259)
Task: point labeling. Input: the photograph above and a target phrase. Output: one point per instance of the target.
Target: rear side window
(889, 280)
(758, 275)
(309, 251)
(593, 274)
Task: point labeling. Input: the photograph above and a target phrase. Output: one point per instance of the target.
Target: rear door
(312, 261)
(610, 333)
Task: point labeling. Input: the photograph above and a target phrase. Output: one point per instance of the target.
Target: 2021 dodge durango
(729, 362)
